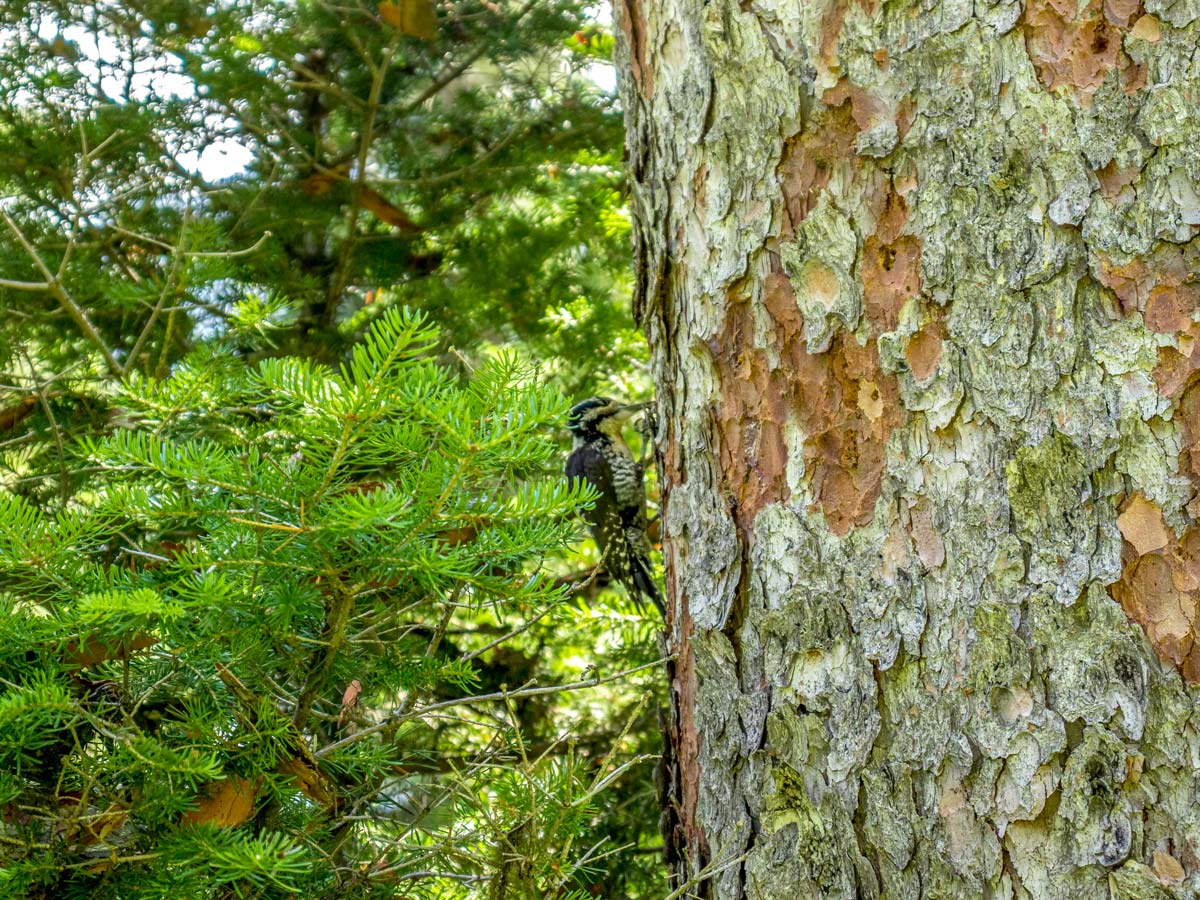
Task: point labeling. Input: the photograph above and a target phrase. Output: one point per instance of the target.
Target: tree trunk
(919, 279)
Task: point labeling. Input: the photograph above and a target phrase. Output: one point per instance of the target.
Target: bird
(617, 521)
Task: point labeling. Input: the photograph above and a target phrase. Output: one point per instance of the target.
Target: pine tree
(173, 323)
(223, 663)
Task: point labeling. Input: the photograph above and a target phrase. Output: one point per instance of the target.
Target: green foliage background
(289, 569)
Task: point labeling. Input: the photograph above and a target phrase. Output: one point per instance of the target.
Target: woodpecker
(601, 457)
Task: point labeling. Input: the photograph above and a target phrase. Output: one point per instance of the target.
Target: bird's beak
(625, 413)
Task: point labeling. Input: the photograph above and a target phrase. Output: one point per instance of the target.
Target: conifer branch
(57, 290)
(525, 691)
(333, 636)
(341, 273)
(31, 286)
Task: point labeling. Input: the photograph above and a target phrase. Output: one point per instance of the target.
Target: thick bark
(919, 280)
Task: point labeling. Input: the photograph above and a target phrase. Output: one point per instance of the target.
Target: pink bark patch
(632, 22)
(1161, 286)
(843, 402)
(1076, 48)
(809, 160)
(923, 351)
(891, 274)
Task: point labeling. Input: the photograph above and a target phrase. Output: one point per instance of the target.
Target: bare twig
(341, 273)
(709, 871)
(24, 285)
(334, 636)
(39, 388)
(195, 254)
(529, 691)
(520, 629)
(452, 72)
(59, 292)
(230, 254)
(152, 320)
(576, 587)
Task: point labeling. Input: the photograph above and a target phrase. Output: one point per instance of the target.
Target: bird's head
(599, 414)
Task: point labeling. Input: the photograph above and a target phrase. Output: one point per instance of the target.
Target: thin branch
(56, 289)
(710, 871)
(195, 254)
(341, 273)
(324, 657)
(230, 254)
(467, 657)
(91, 154)
(449, 876)
(576, 587)
(113, 860)
(24, 285)
(393, 720)
(461, 171)
(443, 624)
(453, 72)
(63, 476)
(440, 81)
(152, 319)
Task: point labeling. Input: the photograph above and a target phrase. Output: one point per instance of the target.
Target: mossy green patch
(1046, 485)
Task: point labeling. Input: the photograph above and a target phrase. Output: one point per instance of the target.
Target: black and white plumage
(601, 457)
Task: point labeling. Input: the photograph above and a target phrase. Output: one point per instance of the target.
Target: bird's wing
(618, 528)
(589, 464)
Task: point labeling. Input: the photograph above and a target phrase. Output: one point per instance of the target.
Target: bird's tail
(643, 583)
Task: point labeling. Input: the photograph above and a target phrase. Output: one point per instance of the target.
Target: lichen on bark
(920, 282)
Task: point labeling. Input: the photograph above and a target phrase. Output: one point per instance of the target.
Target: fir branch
(333, 637)
(391, 722)
(56, 289)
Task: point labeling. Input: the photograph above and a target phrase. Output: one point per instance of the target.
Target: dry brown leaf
(364, 487)
(390, 13)
(85, 824)
(349, 700)
(303, 766)
(417, 18)
(94, 649)
(12, 415)
(226, 804)
(317, 184)
(384, 209)
(465, 533)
